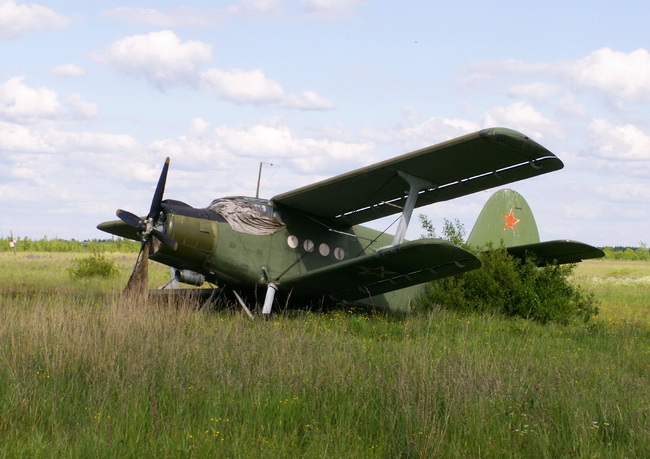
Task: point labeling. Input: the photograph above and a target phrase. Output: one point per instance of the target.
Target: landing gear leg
(268, 300)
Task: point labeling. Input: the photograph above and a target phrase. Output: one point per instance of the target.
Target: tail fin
(506, 218)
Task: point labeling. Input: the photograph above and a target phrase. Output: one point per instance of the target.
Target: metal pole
(259, 178)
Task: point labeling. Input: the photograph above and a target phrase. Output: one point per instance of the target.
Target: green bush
(510, 286)
(513, 287)
(94, 265)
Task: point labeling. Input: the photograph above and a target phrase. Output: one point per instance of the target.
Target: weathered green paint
(506, 218)
(322, 253)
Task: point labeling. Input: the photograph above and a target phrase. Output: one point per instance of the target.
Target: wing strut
(416, 185)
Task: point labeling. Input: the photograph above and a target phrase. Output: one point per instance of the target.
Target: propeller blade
(131, 219)
(160, 189)
(137, 287)
(166, 240)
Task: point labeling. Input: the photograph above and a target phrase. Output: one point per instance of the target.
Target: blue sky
(95, 95)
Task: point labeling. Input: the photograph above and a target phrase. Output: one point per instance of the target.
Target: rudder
(506, 217)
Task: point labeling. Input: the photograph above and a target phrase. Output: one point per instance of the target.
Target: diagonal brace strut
(416, 185)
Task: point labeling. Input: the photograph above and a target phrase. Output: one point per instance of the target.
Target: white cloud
(68, 71)
(625, 192)
(253, 87)
(81, 107)
(199, 126)
(615, 73)
(619, 142)
(241, 86)
(523, 117)
(23, 104)
(330, 9)
(537, 92)
(194, 17)
(307, 154)
(308, 100)
(19, 102)
(493, 70)
(15, 138)
(18, 20)
(165, 60)
(161, 57)
(235, 148)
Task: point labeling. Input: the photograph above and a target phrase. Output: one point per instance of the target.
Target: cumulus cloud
(253, 87)
(619, 141)
(525, 118)
(17, 20)
(226, 159)
(306, 154)
(68, 71)
(165, 60)
(242, 86)
(194, 17)
(308, 100)
(23, 104)
(160, 57)
(16, 138)
(614, 74)
(330, 9)
(227, 147)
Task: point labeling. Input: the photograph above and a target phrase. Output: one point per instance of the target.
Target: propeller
(151, 237)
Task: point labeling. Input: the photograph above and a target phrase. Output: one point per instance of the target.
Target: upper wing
(386, 270)
(485, 159)
(557, 252)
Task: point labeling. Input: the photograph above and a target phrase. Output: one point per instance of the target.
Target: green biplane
(308, 243)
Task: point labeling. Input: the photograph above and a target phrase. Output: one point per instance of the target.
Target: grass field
(83, 376)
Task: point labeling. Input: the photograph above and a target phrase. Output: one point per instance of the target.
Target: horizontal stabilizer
(386, 270)
(557, 252)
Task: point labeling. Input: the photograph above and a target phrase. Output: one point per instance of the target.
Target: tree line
(25, 244)
(118, 244)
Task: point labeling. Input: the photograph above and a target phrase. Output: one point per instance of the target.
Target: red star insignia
(511, 220)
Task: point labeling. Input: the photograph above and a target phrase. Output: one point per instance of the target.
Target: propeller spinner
(138, 282)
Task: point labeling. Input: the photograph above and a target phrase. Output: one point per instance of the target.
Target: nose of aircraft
(196, 237)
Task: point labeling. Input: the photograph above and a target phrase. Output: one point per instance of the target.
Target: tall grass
(83, 375)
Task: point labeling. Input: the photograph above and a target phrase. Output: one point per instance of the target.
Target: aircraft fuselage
(208, 244)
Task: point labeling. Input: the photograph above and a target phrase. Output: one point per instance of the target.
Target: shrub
(512, 287)
(94, 265)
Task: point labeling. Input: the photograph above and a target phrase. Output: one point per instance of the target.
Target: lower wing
(386, 270)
